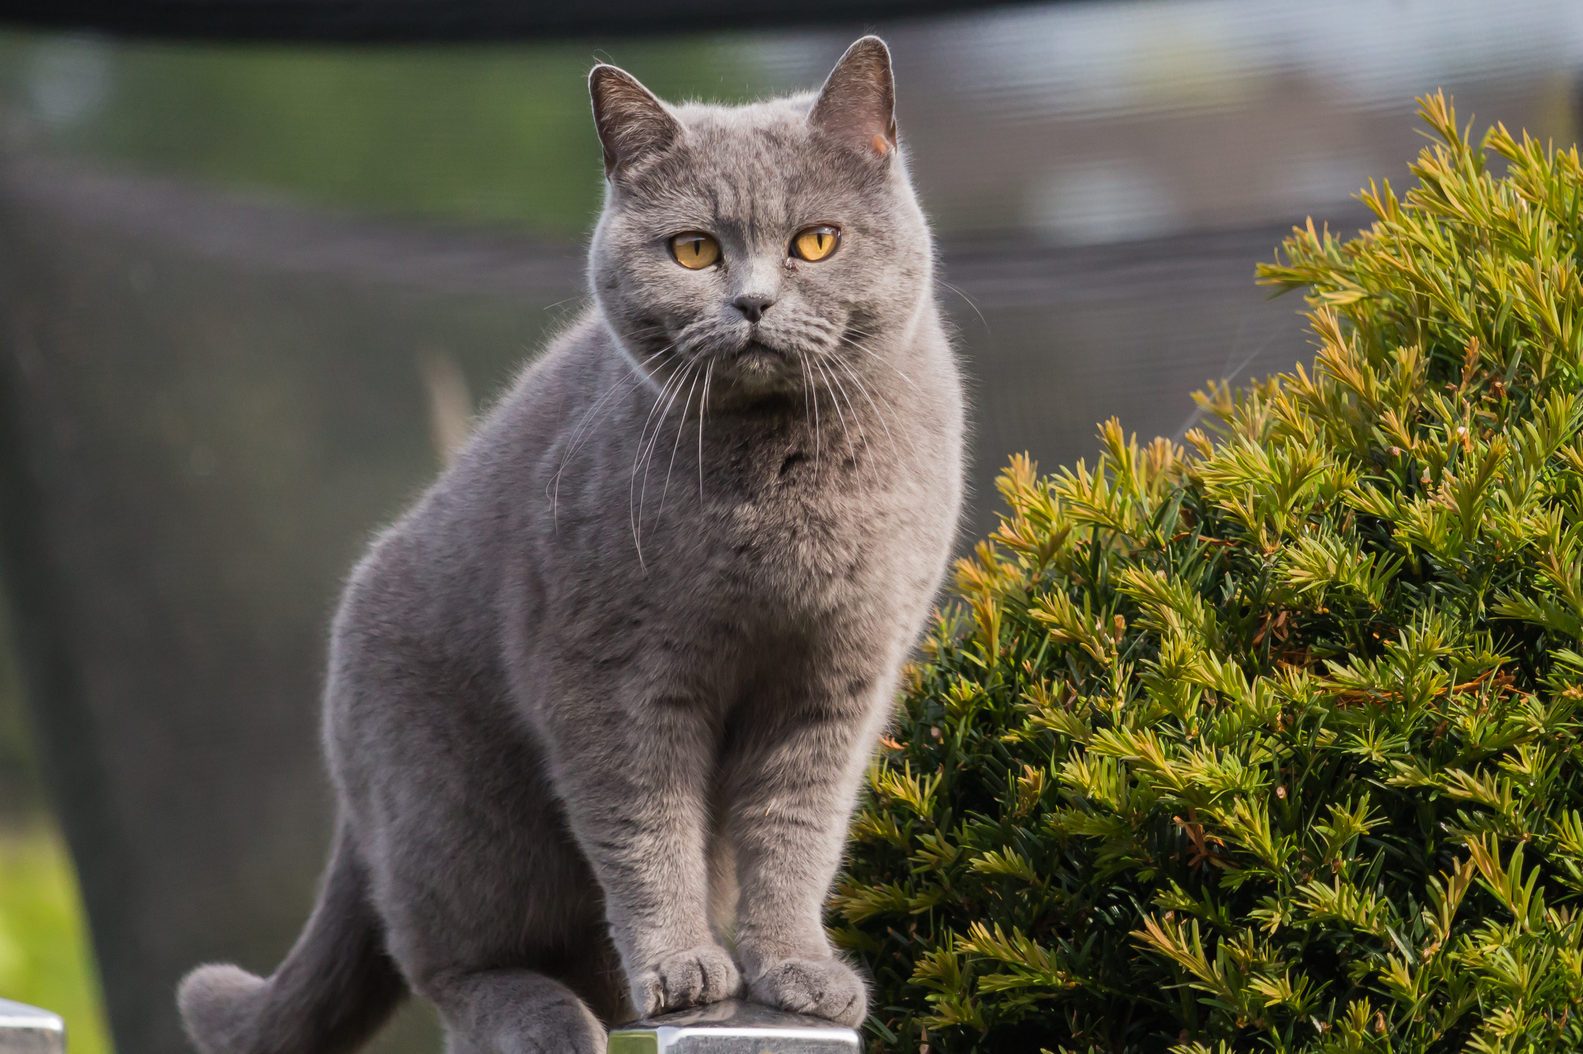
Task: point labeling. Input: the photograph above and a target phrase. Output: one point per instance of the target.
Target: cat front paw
(826, 988)
(705, 974)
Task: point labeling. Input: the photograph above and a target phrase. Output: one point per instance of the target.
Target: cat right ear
(857, 105)
(632, 122)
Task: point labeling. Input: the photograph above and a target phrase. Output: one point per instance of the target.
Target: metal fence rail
(734, 1028)
(28, 1030)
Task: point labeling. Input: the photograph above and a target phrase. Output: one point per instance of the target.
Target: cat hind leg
(514, 1012)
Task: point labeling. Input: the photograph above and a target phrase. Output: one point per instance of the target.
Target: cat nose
(752, 306)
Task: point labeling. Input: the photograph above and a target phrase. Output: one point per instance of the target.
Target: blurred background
(251, 291)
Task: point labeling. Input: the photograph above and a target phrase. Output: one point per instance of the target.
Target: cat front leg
(631, 766)
(793, 778)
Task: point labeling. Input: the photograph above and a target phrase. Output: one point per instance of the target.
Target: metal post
(28, 1030)
(734, 1028)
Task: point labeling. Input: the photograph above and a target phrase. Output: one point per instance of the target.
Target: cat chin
(757, 367)
(757, 375)
(761, 376)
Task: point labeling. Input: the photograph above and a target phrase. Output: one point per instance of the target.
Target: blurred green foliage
(482, 134)
(45, 958)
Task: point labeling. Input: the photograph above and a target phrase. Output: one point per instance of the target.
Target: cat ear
(857, 104)
(632, 122)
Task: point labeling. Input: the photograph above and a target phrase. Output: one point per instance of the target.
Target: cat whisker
(680, 378)
(840, 387)
(633, 500)
(1228, 378)
(703, 411)
(678, 442)
(966, 300)
(853, 416)
(578, 435)
(554, 488)
(879, 413)
(655, 417)
(884, 361)
(567, 300)
(835, 400)
(810, 396)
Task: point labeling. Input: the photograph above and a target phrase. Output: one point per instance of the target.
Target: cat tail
(336, 986)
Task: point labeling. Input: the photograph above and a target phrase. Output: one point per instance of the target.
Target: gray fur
(599, 703)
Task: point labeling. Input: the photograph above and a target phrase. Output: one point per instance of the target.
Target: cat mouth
(758, 349)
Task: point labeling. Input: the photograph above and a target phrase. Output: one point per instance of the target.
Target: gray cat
(599, 704)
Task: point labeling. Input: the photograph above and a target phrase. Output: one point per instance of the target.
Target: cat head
(760, 240)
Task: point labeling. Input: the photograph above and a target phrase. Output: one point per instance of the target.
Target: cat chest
(807, 552)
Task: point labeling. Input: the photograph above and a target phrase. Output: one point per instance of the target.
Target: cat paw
(826, 988)
(705, 974)
(558, 1027)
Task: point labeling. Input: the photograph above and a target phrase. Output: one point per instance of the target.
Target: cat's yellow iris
(815, 243)
(694, 250)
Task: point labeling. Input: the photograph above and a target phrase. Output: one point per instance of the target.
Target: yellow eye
(694, 250)
(815, 243)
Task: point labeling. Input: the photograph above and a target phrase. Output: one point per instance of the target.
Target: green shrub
(1270, 741)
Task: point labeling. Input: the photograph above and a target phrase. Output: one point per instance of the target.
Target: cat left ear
(632, 122)
(857, 104)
